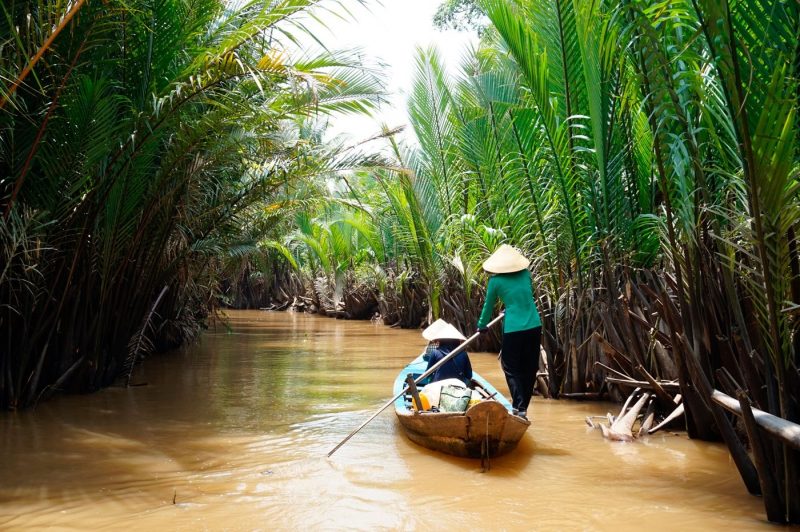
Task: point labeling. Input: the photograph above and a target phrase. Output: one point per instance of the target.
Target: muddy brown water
(232, 433)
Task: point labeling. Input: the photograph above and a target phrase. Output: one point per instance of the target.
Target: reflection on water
(232, 434)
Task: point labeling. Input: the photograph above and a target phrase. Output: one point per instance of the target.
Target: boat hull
(486, 429)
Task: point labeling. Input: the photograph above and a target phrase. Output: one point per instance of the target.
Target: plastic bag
(454, 398)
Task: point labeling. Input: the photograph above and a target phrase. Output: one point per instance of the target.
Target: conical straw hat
(506, 260)
(441, 330)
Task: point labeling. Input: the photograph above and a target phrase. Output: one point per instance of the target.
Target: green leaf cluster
(136, 140)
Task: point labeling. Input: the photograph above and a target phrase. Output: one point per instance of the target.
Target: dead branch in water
(622, 428)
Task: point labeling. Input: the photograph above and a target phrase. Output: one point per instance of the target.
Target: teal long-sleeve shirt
(516, 293)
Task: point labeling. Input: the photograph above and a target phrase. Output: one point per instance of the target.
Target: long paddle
(433, 368)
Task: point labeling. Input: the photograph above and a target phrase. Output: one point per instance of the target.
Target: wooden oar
(430, 371)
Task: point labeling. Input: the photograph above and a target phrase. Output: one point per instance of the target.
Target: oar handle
(430, 371)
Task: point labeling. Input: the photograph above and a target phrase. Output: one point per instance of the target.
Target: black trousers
(520, 361)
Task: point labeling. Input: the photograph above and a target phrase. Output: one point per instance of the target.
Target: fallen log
(665, 385)
(775, 426)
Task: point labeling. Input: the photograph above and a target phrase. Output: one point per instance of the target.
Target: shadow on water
(508, 465)
(539, 449)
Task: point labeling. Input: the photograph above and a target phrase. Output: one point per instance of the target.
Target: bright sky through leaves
(390, 33)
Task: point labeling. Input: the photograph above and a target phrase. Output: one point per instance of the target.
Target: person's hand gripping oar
(430, 371)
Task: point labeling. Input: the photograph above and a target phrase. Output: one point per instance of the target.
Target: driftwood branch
(622, 428)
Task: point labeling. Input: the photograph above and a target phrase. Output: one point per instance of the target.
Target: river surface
(232, 433)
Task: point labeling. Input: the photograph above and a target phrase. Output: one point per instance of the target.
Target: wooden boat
(487, 429)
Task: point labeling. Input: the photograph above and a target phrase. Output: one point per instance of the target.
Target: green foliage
(136, 142)
(617, 144)
(463, 15)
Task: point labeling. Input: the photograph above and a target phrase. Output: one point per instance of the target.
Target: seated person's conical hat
(441, 330)
(506, 260)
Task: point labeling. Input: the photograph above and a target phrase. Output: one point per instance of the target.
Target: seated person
(443, 338)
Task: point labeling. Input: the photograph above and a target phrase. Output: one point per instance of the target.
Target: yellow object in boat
(426, 403)
(475, 398)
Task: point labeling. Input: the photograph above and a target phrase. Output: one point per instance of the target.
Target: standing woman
(522, 328)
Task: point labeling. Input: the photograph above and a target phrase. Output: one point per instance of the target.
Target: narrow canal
(231, 434)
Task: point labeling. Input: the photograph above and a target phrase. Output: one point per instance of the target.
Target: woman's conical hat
(441, 330)
(506, 260)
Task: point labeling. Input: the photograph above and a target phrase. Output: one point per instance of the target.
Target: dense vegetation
(646, 155)
(136, 140)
